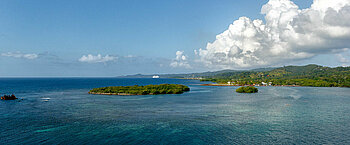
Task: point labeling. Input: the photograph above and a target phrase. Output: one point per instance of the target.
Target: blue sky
(49, 38)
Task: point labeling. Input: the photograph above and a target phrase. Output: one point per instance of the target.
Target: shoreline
(116, 94)
(252, 85)
(125, 94)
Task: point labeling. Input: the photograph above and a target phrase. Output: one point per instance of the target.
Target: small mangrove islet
(247, 89)
(141, 90)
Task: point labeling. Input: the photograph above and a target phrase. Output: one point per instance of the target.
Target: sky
(106, 38)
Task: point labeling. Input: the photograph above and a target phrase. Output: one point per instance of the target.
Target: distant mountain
(192, 75)
(136, 76)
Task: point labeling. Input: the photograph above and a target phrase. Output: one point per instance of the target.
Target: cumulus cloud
(180, 60)
(97, 59)
(20, 55)
(288, 34)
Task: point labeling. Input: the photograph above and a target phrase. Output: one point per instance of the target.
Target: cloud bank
(180, 60)
(20, 55)
(288, 34)
(97, 59)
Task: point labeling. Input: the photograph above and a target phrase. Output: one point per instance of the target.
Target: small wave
(49, 129)
(296, 97)
(45, 99)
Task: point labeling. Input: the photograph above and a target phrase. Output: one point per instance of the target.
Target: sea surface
(60, 111)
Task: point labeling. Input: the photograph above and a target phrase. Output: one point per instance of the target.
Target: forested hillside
(309, 75)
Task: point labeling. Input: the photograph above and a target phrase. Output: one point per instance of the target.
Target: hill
(309, 75)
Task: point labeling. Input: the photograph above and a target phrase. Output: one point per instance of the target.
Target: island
(141, 90)
(9, 97)
(247, 89)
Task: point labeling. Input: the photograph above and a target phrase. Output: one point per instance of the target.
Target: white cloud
(180, 60)
(288, 34)
(20, 55)
(97, 59)
(344, 57)
(130, 56)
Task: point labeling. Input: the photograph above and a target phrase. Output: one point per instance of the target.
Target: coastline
(116, 94)
(250, 85)
(124, 94)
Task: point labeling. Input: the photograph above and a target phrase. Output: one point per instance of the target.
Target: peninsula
(141, 90)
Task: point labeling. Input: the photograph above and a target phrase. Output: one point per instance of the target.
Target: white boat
(155, 77)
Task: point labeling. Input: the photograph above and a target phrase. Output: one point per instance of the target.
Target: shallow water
(59, 111)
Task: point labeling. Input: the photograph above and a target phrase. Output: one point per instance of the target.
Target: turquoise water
(59, 111)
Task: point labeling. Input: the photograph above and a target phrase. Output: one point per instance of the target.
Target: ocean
(60, 111)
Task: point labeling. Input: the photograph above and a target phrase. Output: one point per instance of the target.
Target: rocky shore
(9, 97)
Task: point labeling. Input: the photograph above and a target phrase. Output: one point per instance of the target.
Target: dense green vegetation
(247, 89)
(141, 90)
(309, 75)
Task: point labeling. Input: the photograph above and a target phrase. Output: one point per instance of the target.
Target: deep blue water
(59, 111)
